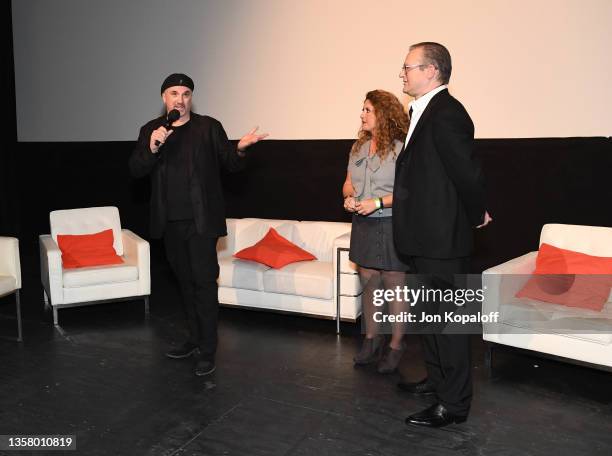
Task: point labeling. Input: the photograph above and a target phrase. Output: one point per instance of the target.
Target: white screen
(90, 70)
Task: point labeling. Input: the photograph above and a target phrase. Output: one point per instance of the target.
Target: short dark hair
(438, 56)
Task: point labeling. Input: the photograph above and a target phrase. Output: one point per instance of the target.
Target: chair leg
(18, 310)
(49, 305)
(146, 300)
(488, 361)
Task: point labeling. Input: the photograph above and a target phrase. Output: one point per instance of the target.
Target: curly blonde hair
(391, 123)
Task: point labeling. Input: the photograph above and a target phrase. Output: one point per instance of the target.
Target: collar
(421, 103)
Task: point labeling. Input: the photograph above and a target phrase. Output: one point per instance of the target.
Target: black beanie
(177, 79)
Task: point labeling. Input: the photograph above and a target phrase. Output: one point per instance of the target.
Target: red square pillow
(569, 278)
(80, 250)
(275, 251)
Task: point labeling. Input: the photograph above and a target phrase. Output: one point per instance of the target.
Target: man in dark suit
(184, 160)
(438, 199)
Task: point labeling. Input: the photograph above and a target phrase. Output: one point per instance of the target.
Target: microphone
(172, 117)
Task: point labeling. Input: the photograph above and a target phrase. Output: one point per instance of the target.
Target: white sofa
(97, 284)
(327, 287)
(576, 334)
(10, 276)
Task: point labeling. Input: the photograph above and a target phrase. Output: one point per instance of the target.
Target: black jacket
(438, 194)
(210, 149)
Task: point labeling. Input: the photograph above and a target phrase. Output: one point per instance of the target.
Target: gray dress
(372, 235)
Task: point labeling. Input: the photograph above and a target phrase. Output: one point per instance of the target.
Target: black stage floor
(284, 385)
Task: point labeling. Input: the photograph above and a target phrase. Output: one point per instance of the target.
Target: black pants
(447, 356)
(193, 259)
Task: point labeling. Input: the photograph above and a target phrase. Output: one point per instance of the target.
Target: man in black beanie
(183, 152)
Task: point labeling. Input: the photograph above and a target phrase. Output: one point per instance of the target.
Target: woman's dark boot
(371, 350)
(391, 360)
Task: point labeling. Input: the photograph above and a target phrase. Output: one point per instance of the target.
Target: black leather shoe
(203, 368)
(422, 388)
(185, 351)
(435, 416)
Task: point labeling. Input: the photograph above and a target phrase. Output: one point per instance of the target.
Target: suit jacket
(438, 195)
(209, 150)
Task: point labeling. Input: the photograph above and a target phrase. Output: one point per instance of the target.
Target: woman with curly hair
(368, 194)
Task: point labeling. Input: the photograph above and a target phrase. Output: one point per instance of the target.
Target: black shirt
(178, 160)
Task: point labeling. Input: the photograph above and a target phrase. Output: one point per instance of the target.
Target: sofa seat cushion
(236, 273)
(532, 316)
(99, 275)
(7, 284)
(313, 279)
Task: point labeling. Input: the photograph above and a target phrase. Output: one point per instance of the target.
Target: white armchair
(97, 284)
(10, 275)
(577, 334)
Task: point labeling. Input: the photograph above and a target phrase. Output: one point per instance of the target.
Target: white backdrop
(89, 70)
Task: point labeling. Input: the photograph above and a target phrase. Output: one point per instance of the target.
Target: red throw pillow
(275, 251)
(569, 278)
(80, 250)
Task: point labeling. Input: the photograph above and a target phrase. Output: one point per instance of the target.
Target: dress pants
(193, 259)
(447, 356)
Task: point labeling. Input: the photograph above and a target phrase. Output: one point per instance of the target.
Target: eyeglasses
(407, 68)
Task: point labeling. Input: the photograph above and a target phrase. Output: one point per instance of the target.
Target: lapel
(422, 121)
(193, 144)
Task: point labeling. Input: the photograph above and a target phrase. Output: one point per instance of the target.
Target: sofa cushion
(592, 240)
(236, 273)
(87, 220)
(99, 275)
(569, 278)
(81, 250)
(318, 237)
(555, 260)
(531, 316)
(246, 232)
(274, 251)
(314, 279)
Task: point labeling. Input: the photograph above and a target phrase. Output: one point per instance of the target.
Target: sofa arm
(522, 265)
(345, 265)
(343, 241)
(500, 283)
(136, 251)
(344, 269)
(9, 259)
(51, 272)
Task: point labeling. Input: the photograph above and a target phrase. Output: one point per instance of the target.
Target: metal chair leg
(338, 292)
(19, 337)
(18, 309)
(49, 304)
(488, 361)
(146, 300)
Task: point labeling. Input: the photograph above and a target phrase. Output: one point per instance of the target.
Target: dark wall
(9, 215)
(284, 179)
(530, 182)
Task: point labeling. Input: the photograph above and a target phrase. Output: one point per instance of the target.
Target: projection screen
(90, 70)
